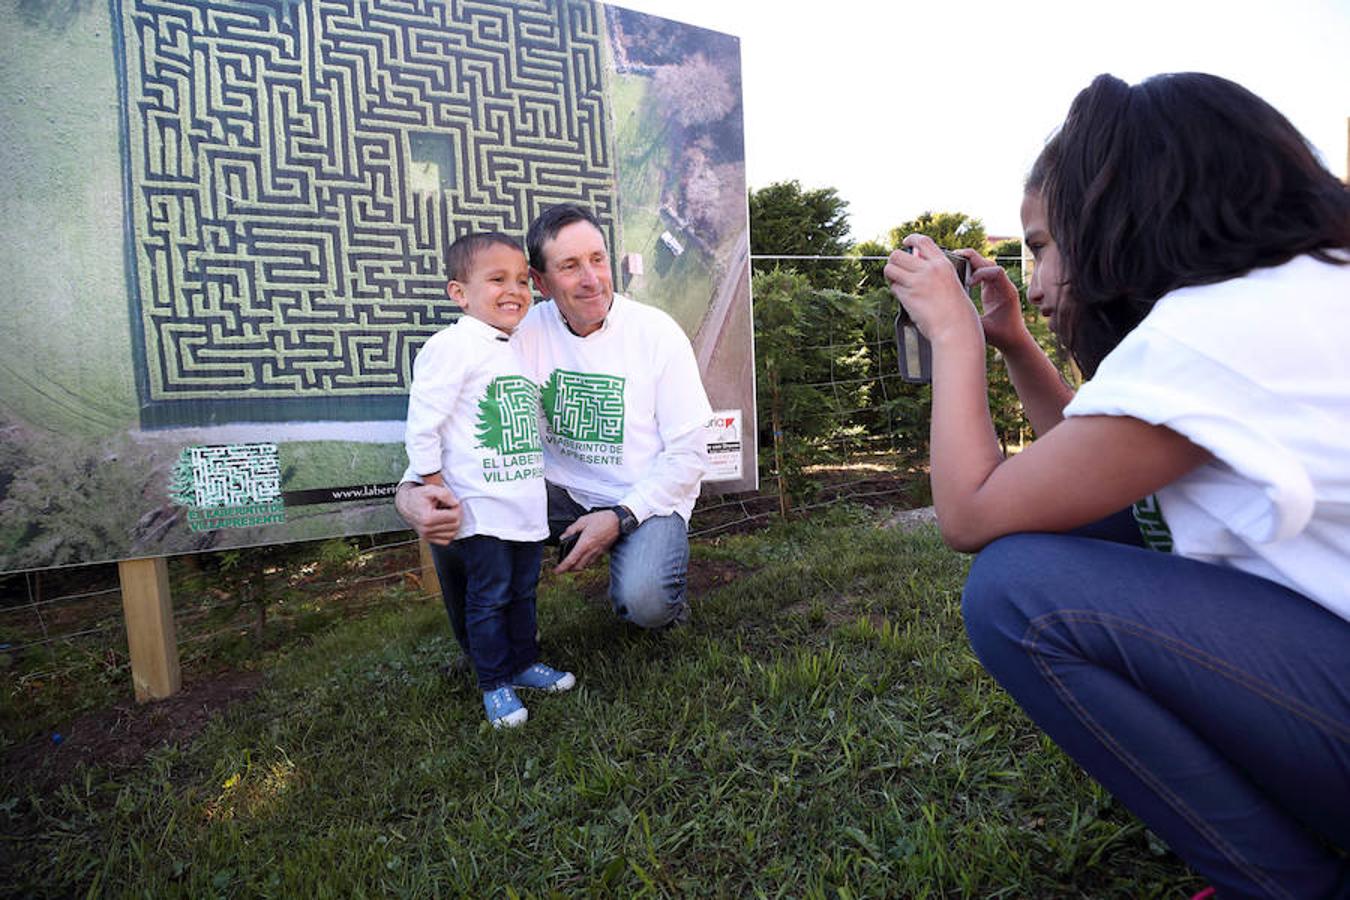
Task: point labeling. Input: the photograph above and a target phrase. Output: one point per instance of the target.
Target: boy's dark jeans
(499, 608)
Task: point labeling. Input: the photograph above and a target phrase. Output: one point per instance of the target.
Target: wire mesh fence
(51, 620)
(62, 619)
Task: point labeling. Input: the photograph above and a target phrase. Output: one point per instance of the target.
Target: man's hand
(598, 531)
(431, 510)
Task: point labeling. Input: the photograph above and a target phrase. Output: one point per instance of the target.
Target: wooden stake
(150, 631)
(431, 585)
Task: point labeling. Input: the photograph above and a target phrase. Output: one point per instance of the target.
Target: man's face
(576, 275)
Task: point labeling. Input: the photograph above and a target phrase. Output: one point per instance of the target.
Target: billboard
(224, 226)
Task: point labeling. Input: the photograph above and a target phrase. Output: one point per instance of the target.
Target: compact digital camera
(913, 353)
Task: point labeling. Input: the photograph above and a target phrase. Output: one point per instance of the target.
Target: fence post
(431, 584)
(150, 630)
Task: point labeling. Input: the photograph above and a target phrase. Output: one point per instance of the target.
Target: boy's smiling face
(497, 289)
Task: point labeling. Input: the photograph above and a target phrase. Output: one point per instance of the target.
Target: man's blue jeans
(647, 570)
(501, 578)
(1214, 704)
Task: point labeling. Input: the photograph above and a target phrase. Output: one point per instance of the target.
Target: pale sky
(905, 107)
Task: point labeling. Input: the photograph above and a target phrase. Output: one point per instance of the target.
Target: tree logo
(229, 486)
(508, 416)
(1153, 528)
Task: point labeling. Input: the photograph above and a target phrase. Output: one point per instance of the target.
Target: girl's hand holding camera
(927, 285)
(1004, 327)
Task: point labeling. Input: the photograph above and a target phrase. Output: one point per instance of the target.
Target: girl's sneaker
(544, 678)
(504, 708)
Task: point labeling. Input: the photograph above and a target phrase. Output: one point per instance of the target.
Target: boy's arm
(438, 376)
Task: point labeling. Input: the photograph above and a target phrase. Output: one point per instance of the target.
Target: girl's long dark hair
(1183, 179)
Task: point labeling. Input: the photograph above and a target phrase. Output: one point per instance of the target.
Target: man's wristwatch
(628, 522)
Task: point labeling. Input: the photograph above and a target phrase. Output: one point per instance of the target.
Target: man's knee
(649, 601)
(648, 571)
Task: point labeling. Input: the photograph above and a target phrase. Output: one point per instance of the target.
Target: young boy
(473, 426)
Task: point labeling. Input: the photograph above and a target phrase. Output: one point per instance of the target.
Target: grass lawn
(820, 729)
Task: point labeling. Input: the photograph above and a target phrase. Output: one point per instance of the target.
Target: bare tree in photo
(702, 187)
(695, 92)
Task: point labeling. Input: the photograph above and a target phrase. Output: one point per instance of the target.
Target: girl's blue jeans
(501, 578)
(1213, 703)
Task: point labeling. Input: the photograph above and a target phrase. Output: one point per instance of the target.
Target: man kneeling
(624, 410)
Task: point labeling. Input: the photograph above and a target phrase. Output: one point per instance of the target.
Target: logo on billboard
(229, 486)
(722, 435)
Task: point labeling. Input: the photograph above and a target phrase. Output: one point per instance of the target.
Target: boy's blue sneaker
(544, 678)
(504, 708)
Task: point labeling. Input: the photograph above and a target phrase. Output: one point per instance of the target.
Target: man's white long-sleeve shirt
(623, 408)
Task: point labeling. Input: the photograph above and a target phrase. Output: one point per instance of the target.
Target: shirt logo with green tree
(1153, 528)
(508, 416)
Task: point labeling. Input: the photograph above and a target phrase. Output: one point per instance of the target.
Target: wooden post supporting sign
(431, 585)
(150, 630)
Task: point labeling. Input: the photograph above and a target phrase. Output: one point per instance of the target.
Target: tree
(897, 410)
(950, 230)
(870, 263)
(711, 193)
(696, 92)
(1008, 254)
(63, 503)
(810, 356)
(786, 220)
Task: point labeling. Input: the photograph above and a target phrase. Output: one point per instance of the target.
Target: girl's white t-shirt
(1256, 370)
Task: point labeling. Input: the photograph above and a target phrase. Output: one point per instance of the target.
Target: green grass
(820, 729)
(321, 464)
